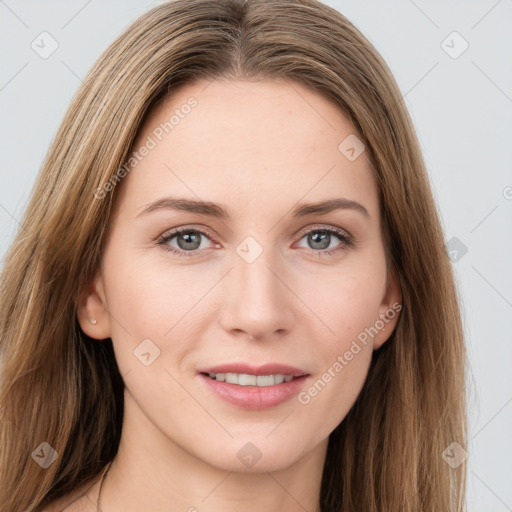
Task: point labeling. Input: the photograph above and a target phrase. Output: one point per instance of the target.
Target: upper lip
(265, 369)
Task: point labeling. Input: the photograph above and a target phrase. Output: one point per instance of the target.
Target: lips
(254, 387)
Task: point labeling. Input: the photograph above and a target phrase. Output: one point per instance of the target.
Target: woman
(230, 288)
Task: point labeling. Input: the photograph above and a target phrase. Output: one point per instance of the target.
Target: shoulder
(82, 499)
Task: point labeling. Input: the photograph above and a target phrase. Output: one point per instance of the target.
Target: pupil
(324, 242)
(188, 239)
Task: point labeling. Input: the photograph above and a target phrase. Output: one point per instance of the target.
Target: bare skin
(259, 149)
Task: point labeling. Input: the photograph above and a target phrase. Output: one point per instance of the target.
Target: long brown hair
(61, 387)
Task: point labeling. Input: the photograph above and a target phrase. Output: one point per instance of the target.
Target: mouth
(256, 388)
(246, 379)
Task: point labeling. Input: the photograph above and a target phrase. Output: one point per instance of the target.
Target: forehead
(264, 114)
(247, 142)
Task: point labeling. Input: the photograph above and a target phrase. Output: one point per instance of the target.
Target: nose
(257, 301)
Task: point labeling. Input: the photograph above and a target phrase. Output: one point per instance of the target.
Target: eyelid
(326, 227)
(190, 227)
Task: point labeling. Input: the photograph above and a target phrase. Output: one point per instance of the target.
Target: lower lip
(255, 397)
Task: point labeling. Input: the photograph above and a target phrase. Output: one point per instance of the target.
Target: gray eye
(187, 240)
(319, 239)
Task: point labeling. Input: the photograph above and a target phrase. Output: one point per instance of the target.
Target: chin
(256, 455)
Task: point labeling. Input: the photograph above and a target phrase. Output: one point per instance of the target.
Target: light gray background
(462, 109)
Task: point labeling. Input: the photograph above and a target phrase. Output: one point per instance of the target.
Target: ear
(389, 310)
(92, 310)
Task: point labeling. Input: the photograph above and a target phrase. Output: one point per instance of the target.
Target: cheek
(347, 301)
(328, 398)
(153, 301)
(344, 358)
(138, 302)
(348, 305)
(148, 296)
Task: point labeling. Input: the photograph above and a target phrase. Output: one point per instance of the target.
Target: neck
(152, 472)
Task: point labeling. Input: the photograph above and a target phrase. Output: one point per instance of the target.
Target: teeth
(232, 378)
(243, 379)
(266, 380)
(248, 380)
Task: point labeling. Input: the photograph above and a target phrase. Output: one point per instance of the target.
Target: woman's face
(264, 285)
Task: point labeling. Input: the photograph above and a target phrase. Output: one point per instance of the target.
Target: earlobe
(389, 310)
(92, 310)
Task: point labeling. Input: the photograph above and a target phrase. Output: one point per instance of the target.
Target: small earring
(93, 321)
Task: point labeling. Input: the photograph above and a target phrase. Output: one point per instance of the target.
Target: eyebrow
(218, 211)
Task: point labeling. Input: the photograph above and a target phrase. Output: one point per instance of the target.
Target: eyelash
(339, 233)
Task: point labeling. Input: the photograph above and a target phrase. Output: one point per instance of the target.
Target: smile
(254, 387)
(244, 379)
